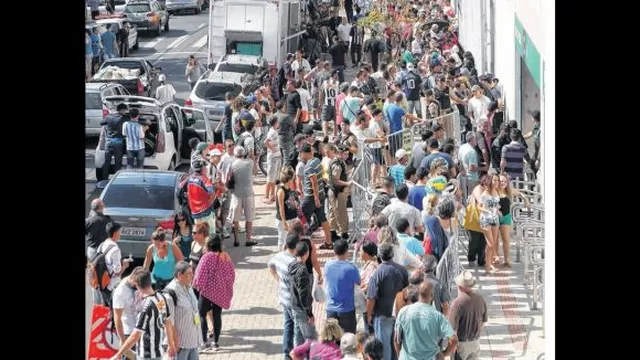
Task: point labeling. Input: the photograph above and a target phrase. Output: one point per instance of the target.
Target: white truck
(253, 27)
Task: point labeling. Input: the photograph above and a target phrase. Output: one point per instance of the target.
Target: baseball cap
(161, 77)
(348, 342)
(400, 154)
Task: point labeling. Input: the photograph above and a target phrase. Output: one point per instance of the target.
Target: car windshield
(140, 196)
(92, 101)
(238, 68)
(215, 91)
(137, 8)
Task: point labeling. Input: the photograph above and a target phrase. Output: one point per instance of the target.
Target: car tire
(136, 45)
(100, 175)
(172, 164)
(262, 163)
(198, 10)
(159, 31)
(166, 26)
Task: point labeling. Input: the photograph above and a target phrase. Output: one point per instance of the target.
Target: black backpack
(172, 294)
(379, 203)
(99, 276)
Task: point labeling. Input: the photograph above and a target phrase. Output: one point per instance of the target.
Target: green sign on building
(528, 51)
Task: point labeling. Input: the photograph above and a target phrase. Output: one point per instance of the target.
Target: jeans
(204, 305)
(383, 328)
(347, 320)
(138, 156)
(356, 53)
(187, 354)
(301, 322)
(415, 104)
(290, 331)
(340, 69)
(113, 149)
(368, 329)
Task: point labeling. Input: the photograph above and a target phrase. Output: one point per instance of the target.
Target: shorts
(376, 154)
(209, 219)
(242, 205)
(304, 116)
(328, 113)
(309, 208)
(506, 220)
(273, 167)
(395, 144)
(488, 220)
(226, 203)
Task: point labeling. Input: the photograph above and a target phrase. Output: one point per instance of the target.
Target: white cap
(161, 77)
(400, 154)
(410, 66)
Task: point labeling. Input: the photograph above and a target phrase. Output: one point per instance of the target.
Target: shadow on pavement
(254, 311)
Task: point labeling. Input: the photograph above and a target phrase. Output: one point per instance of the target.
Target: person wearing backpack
(107, 265)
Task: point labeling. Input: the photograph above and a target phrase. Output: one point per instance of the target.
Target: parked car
(94, 110)
(140, 201)
(243, 64)
(148, 15)
(138, 75)
(175, 6)
(166, 141)
(116, 25)
(208, 93)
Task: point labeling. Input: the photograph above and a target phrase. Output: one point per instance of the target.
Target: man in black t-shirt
(123, 39)
(225, 123)
(411, 87)
(153, 320)
(338, 53)
(294, 105)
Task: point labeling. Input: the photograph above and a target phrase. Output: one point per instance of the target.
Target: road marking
(158, 55)
(151, 44)
(200, 43)
(201, 26)
(177, 41)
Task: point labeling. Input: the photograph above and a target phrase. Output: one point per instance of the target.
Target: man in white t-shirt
(344, 30)
(305, 102)
(274, 159)
(165, 92)
(478, 105)
(300, 63)
(113, 260)
(364, 133)
(127, 303)
(224, 168)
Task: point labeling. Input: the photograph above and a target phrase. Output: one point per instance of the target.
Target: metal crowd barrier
(449, 265)
(450, 122)
(521, 215)
(536, 252)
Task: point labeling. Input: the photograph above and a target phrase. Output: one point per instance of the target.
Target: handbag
(470, 221)
(427, 245)
(318, 293)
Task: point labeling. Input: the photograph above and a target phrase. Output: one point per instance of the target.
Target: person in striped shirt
(279, 269)
(133, 131)
(153, 320)
(397, 170)
(514, 155)
(186, 317)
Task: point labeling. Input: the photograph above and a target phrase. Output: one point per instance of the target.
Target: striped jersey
(330, 91)
(155, 312)
(280, 263)
(133, 133)
(514, 154)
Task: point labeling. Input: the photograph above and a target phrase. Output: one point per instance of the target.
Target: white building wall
(469, 30)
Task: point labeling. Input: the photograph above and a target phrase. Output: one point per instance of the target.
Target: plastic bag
(318, 293)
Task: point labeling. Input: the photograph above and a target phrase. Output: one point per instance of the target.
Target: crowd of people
(406, 311)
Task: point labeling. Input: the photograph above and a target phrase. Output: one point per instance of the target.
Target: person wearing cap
(535, 133)
(478, 105)
(199, 155)
(420, 328)
(467, 316)
(338, 187)
(242, 195)
(114, 139)
(397, 171)
(165, 92)
(200, 195)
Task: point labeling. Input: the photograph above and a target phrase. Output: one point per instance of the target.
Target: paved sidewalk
(513, 331)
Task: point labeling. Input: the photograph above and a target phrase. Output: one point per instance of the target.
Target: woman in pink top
(214, 280)
(326, 348)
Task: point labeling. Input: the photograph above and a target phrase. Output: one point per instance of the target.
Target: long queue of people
(419, 193)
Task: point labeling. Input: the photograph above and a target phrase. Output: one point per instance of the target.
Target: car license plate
(128, 231)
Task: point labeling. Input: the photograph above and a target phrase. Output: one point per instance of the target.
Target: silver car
(93, 109)
(208, 94)
(174, 6)
(140, 201)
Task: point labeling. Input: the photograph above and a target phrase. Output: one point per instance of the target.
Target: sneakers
(226, 234)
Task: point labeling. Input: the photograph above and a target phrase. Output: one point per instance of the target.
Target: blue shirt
(396, 113)
(420, 327)
(107, 42)
(340, 278)
(426, 162)
(416, 194)
(87, 47)
(95, 44)
(350, 107)
(397, 173)
(412, 244)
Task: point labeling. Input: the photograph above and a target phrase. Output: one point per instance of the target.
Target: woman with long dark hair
(182, 233)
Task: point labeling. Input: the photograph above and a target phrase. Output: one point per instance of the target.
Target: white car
(116, 24)
(170, 129)
(175, 6)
